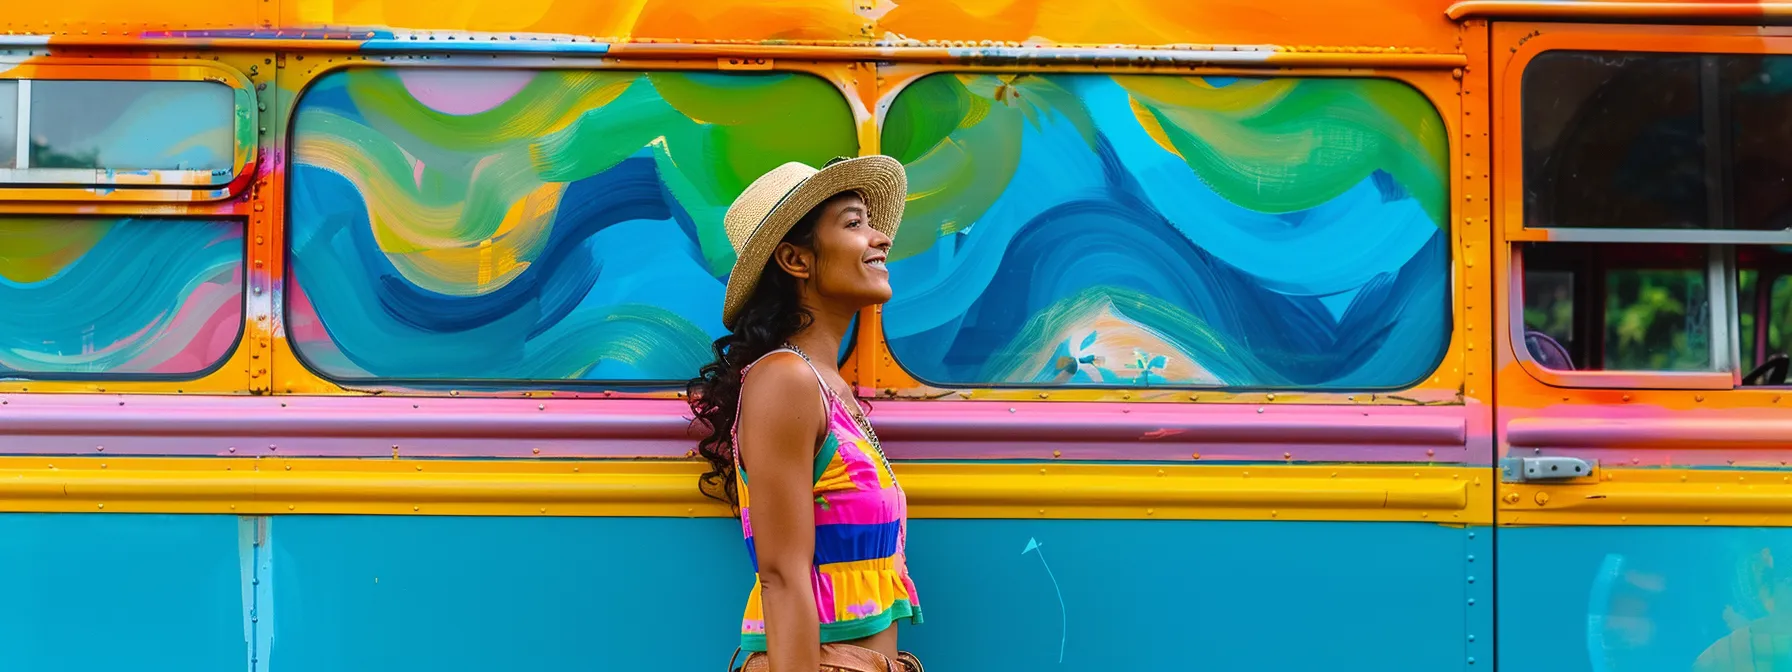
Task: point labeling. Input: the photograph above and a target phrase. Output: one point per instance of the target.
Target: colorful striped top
(860, 570)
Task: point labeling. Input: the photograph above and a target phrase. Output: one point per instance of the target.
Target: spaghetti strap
(827, 391)
(749, 366)
(819, 381)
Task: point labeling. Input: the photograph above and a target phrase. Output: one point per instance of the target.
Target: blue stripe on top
(847, 543)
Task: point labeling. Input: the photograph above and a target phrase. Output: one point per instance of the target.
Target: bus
(1383, 335)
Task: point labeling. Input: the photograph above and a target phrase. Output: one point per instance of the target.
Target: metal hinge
(1523, 469)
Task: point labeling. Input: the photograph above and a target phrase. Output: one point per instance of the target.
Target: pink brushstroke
(461, 92)
(302, 324)
(218, 310)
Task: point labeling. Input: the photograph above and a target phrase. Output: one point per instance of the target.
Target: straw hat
(772, 204)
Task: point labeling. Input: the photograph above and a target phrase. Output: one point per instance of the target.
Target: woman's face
(849, 256)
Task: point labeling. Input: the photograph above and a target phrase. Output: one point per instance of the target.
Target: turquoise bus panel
(347, 593)
(441, 594)
(1618, 599)
(105, 593)
(1190, 595)
(383, 594)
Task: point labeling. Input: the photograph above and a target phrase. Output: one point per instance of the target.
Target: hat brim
(880, 180)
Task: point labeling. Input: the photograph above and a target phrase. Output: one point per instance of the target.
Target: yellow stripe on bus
(1726, 497)
(1437, 494)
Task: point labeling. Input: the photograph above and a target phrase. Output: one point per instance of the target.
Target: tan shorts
(844, 658)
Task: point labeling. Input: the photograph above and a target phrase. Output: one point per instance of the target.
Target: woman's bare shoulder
(780, 405)
(779, 375)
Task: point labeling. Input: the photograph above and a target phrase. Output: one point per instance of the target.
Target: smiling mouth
(877, 264)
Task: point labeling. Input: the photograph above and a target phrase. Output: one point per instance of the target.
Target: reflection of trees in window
(1549, 304)
(1778, 314)
(1656, 320)
(45, 156)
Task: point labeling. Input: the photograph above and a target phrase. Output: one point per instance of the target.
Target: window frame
(301, 376)
(159, 185)
(1721, 267)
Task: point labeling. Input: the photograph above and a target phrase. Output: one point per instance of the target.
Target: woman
(825, 520)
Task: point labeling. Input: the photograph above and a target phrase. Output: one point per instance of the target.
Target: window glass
(1749, 315)
(132, 125)
(1778, 317)
(1776, 332)
(1759, 99)
(118, 298)
(1549, 316)
(1764, 300)
(1614, 140)
(1095, 230)
(1594, 307)
(1625, 140)
(9, 123)
(517, 225)
(1657, 319)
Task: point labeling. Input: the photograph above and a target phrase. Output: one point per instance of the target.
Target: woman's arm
(781, 424)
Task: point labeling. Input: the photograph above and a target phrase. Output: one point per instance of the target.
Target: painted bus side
(337, 472)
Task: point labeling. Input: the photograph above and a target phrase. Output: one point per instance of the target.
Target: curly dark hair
(769, 317)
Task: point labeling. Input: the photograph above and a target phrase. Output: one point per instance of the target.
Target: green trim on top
(829, 447)
(844, 631)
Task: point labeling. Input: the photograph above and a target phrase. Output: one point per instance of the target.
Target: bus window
(118, 299)
(1594, 307)
(1683, 160)
(1614, 141)
(132, 125)
(1084, 230)
(530, 226)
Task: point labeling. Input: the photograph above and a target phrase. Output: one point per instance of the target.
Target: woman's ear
(796, 261)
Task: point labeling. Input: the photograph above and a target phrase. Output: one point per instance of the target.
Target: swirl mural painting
(1092, 230)
(119, 298)
(512, 225)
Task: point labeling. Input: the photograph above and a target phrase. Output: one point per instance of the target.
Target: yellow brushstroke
(1151, 125)
(979, 110)
(493, 262)
(32, 249)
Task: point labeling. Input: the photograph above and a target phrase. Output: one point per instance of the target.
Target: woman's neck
(822, 338)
